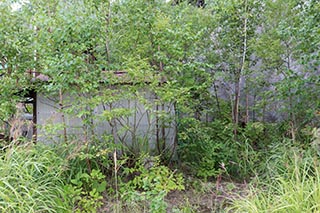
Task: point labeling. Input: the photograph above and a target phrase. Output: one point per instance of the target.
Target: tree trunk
(236, 105)
(238, 76)
(62, 116)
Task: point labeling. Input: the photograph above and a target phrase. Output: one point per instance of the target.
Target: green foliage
(86, 176)
(86, 190)
(203, 148)
(254, 131)
(189, 59)
(294, 188)
(31, 180)
(259, 152)
(209, 150)
(245, 160)
(150, 184)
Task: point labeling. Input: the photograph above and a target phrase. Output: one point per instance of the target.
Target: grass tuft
(295, 190)
(31, 180)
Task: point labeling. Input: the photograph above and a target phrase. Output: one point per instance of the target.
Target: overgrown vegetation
(292, 186)
(32, 180)
(120, 106)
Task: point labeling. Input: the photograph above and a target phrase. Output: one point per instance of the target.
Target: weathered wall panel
(143, 127)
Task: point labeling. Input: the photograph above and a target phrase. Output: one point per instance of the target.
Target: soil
(209, 197)
(202, 197)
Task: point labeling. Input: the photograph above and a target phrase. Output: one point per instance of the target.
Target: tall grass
(294, 187)
(31, 181)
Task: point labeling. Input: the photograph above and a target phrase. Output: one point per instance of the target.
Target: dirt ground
(202, 197)
(207, 197)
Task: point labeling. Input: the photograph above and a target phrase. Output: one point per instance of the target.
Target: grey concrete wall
(135, 130)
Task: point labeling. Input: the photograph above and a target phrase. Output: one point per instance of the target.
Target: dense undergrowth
(42, 178)
(294, 186)
(282, 176)
(146, 99)
(31, 180)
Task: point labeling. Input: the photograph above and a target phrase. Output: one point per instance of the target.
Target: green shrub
(203, 147)
(255, 134)
(89, 165)
(150, 184)
(86, 190)
(31, 180)
(84, 157)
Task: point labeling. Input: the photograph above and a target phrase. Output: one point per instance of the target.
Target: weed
(86, 190)
(150, 184)
(31, 181)
(296, 188)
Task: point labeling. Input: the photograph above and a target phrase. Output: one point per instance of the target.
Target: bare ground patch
(203, 197)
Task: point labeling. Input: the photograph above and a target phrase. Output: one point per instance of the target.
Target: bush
(203, 147)
(86, 191)
(150, 184)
